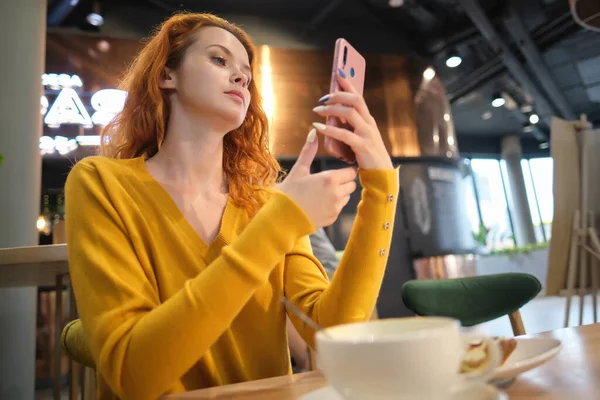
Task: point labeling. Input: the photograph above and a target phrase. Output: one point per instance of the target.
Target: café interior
(488, 110)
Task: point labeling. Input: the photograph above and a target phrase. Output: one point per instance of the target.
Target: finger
(343, 175)
(340, 111)
(344, 83)
(348, 99)
(341, 134)
(344, 201)
(308, 152)
(348, 188)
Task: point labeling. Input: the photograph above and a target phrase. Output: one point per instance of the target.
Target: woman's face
(213, 79)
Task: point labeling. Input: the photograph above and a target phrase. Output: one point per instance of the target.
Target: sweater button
(391, 198)
(382, 252)
(386, 226)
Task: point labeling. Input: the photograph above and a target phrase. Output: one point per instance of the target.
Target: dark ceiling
(530, 51)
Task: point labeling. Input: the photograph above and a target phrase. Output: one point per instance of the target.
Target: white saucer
(476, 391)
(529, 353)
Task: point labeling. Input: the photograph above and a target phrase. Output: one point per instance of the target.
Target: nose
(240, 78)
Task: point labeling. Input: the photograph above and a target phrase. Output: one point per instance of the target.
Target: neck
(191, 155)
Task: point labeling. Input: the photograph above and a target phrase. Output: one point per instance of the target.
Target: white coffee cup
(404, 358)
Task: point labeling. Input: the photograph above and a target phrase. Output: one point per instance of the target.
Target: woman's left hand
(365, 141)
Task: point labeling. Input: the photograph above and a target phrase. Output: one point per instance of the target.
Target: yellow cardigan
(165, 312)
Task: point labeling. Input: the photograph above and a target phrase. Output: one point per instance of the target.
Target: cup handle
(494, 361)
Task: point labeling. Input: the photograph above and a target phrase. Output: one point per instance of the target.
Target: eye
(218, 60)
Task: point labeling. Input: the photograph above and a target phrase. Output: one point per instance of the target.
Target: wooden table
(42, 266)
(33, 265)
(573, 374)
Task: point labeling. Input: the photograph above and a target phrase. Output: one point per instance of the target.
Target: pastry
(477, 355)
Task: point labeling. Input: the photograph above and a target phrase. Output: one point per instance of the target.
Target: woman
(181, 244)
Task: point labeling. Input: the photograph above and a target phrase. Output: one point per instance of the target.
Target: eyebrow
(229, 53)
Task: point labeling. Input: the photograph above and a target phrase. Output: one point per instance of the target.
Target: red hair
(140, 128)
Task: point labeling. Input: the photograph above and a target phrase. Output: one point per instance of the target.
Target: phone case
(345, 57)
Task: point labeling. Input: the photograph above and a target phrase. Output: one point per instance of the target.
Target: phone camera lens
(345, 55)
(352, 72)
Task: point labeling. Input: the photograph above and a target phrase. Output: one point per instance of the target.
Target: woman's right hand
(322, 195)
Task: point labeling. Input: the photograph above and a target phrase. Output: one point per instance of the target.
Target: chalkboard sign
(433, 199)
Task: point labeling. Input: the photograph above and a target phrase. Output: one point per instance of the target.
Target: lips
(236, 93)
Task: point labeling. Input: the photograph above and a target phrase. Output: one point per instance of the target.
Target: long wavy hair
(140, 128)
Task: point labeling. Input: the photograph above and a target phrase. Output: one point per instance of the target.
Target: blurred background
(463, 92)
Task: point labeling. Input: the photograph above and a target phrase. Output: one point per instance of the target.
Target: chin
(232, 120)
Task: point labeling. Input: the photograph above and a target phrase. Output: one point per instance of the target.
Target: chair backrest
(471, 300)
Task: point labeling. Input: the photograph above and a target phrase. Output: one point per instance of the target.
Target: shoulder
(101, 163)
(103, 166)
(99, 171)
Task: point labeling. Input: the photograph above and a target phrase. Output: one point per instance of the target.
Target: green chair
(75, 346)
(473, 300)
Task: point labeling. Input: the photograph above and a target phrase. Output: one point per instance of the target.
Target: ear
(168, 79)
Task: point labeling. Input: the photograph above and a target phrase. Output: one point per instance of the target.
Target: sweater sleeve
(142, 346)
(352, 294)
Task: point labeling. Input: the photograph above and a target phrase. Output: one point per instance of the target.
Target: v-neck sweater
(165, 312)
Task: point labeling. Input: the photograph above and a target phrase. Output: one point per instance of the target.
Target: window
(542, 170)
(540, 235)
(472, 206)
(492, 189)
(492, 201)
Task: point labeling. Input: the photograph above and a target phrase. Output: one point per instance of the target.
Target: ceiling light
(95, 19)
(534, 119)
(498, 101)
(544, 145)
(396, 3)
(453, 61)
(446, 117)
(429, 73)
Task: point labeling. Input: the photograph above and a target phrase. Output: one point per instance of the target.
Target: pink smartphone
(346, 58)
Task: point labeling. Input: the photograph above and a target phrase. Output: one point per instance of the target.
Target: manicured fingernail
(311, 136)
(319, 109)
(342, 73)
(324, 98)
(319, 126)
